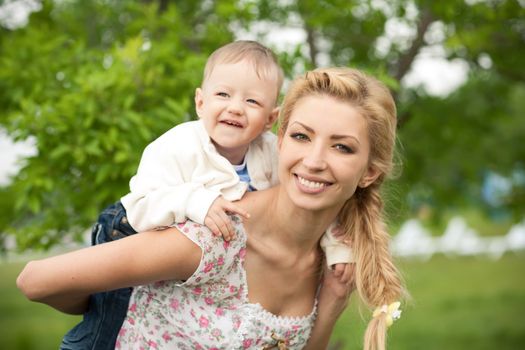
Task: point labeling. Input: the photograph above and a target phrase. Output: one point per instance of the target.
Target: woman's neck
(274, 216)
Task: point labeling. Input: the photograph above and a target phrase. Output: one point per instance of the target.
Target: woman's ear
(198, 101)
(272, 118)
(372, 173)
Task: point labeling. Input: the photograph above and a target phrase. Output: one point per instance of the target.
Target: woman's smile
(311, 186)
(324, 152)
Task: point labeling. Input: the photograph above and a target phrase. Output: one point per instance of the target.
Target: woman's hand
(337, 286)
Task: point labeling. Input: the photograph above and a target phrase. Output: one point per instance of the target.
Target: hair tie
(392, 312)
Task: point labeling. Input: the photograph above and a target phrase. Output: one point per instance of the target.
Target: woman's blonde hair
(377, 279)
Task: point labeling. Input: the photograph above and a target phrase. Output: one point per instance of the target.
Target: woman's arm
(333, 299)
(65, 281)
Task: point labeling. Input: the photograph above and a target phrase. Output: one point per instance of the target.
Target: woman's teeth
(311, 184)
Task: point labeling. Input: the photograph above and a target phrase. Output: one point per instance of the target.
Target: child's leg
(336, 250)
(112, 224)
(101, 323)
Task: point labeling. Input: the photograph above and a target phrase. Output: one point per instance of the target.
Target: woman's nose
(315, 159)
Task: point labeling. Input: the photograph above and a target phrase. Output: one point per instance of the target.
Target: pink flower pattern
(210, 310)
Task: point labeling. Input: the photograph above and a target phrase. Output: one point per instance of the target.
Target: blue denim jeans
(99, 328)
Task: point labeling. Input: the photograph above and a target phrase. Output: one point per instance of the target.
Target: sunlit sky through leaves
(430, 70)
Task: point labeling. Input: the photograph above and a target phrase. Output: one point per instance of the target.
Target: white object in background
(516, 237)
(460, 239)
(413, 240)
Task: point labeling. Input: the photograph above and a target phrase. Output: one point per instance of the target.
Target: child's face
(236, 106)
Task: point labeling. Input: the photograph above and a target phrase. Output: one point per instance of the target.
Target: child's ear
(272, 118)
(198, 101)
(372, 173)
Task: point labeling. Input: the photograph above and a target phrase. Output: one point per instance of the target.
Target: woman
(261, 290)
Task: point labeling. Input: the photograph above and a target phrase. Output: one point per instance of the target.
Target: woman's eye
(299, 136)
(343, 148)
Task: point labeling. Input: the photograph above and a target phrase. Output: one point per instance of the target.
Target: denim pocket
(96, 234)
(122, 226)
(112, 224)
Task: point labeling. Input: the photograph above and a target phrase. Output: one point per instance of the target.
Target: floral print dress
(210, 310)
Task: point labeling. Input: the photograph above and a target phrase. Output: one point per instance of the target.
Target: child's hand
(217, 219)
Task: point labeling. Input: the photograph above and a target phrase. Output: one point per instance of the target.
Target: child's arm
(218, 221)
(171, 182)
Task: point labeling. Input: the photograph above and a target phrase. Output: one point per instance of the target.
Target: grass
(463, 303)
(25, 325)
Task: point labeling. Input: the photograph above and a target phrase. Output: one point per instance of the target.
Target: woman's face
(324, 153)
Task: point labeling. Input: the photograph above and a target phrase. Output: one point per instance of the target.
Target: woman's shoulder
(259, 204)
(215, 248)
(202, 235)
(219, 258)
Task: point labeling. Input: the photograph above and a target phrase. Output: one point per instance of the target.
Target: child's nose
(235, 107)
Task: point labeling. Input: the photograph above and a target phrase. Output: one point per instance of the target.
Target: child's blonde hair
(377, 279)
(264, 60)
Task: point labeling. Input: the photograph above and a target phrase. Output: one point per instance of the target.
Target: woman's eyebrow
(304, 126)
(340, 137)
(333, 137)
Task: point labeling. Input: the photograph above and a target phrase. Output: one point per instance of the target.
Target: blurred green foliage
(93, 82)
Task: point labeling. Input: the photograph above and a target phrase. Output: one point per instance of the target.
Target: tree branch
(163, 4)
(311, 40)
(405, 62)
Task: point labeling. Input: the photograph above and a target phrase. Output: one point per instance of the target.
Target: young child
(197, 169)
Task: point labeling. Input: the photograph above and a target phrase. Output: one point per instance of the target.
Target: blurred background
(86, 85)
